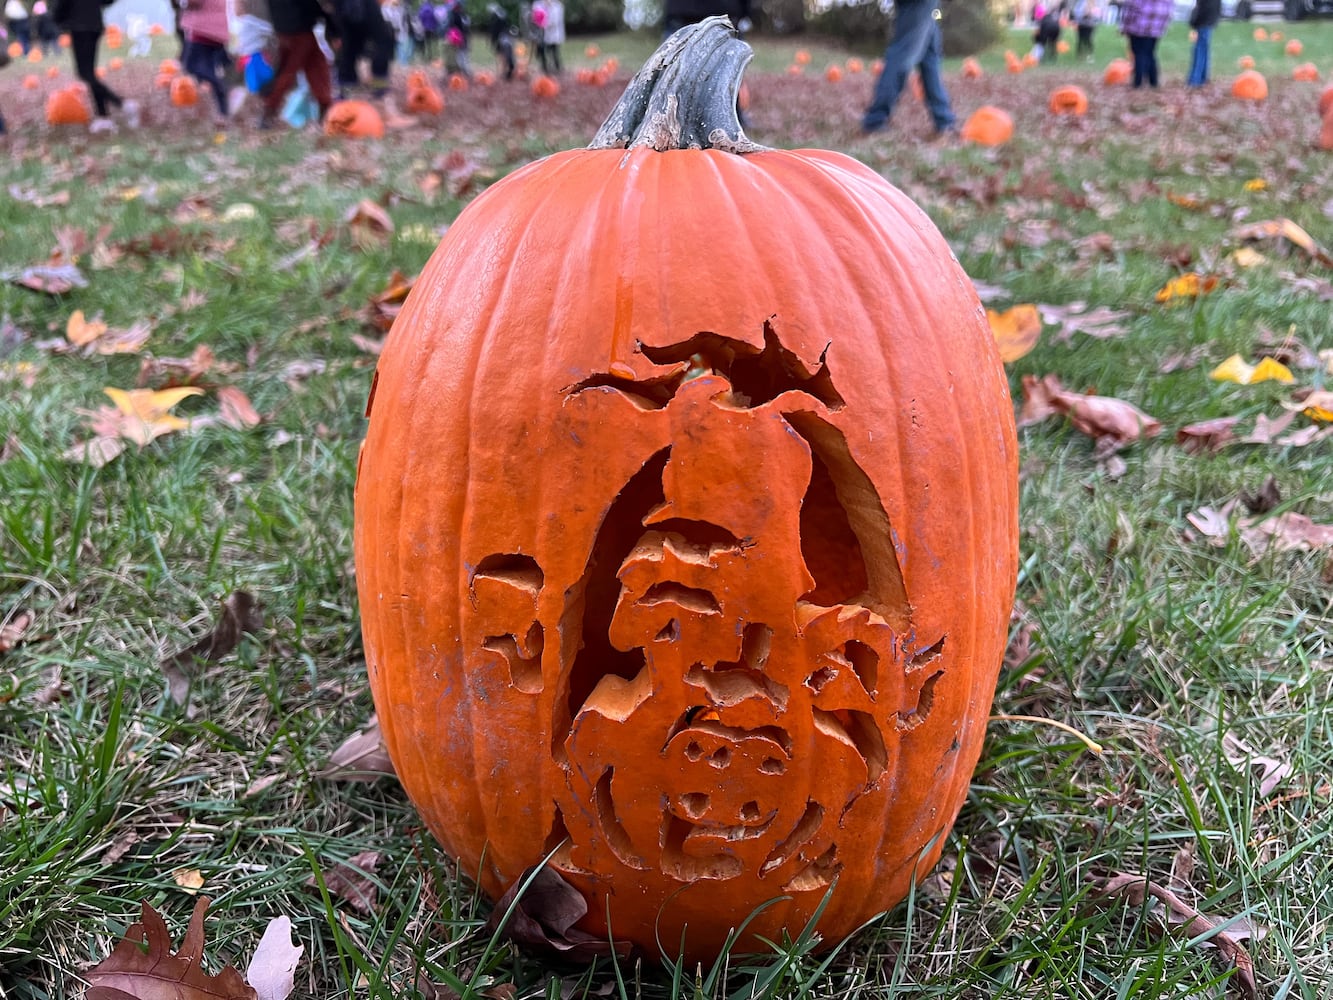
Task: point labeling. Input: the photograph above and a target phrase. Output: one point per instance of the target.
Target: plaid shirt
(1145, 17)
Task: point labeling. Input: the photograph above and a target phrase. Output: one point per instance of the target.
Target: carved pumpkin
(703, 588)
(422, 97)
(1118, 71)
(988, 126)
(354, 120)
(1069, 100)
(1250, 86)
(545, 86)
(67, 107)
(1294, 48)
(184, 92)
(1306, 73)
(971, 69)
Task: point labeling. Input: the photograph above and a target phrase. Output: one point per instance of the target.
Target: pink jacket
(206, 20)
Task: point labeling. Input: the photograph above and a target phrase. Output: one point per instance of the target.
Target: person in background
(44, 29)
(256, 52)
(458, 40)
(299, 51)
(552, 13)
(1085, 18)
(501, 33)
(1144, 22)
(83, 20)
(917, 44)
(1047, 37)
(364, 31)
(1203, 19)
(4, 61)
(20, 24)
(206, 34)
(400, 23)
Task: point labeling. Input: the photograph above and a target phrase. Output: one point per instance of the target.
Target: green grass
(1150, 640)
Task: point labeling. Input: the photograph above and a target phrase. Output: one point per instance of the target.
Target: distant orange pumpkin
(545, 87)
(1306, 73)
(457, 82)
(52, 72)
(1069, 100)
(483, 78)
(801, 57)
(67, 107)
(31, 82)
(1118, 71)
(423, 98)
(971, 69)
(1260, 34)
(34, 55)
(1245, 62)
(833, 74)
(116, 64)
(855, 65)
(354, 120)
(1294, 48)
(988, 126)
(184, 92)
(1326, 102)
(592, 52)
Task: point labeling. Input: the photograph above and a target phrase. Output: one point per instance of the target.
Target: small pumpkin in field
(1294, 47)
(1030, 60)
(1305, 73)
(156, 30)
(1250, 86)
(583, 75)
(1261, 34)
(67, 106)
(52, 72)
(591, 52)
(168, 67)
(1275, 36)
(971, 69)
(458, 82)
(1062, 47)
(545, 87)
(31, 82)
(34, 55)
(422, 97)
(855, 65)
(483, 78)
(1245, 62)
(917, 87)
(833, 74)
(15, 50)
(1326, 133)
(684, 566)
(1069, 100)
(1118, 71)
(114, 37)
(988, 126)
(1012, 63)
(183, 92)
(63, 41)
(795, 69)
(1326, 101)
(801, 57)
(354, 120)
(116, 64)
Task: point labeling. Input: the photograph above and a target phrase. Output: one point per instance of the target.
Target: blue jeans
(1199, 59)
(1144, 50)
(916, 44)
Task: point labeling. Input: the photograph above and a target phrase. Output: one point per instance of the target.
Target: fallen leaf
(95, 452)
(1283, 232)
(368, 223)
(80, 331)
(360, 757)
(237, 410)
(189, 879)
(1172, 912)
(1100, 322)
(1207, 435)
(1016, 330)
(1317, 405)
(1187, 286)
(351, 881)
(50, 279)
(143, 415)
(120, 847)
(142, 967)
(272, 970)
(1247, 257)
(1236, 369)
(538, 913)
(239, 614)
(1112, 422)
(1038, 399)
(14, 628)
(1286, 532)
(1272, 771)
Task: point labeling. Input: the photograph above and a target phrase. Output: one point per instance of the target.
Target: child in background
(502, 38)
(206, 35)
(400, 23)
(458, 37)
(548, 16)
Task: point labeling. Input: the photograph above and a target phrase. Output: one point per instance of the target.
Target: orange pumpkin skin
(971, 69)
(1294, 48)
(1250, 86)
(354, 120)
(184, 93)
(31, 82)
(630, 601)
(67, 107)
(1326, 132)
(1305, 73)
(1245, 62)
(1118, 71)
(988, 126)
(1069, 100)
(833, 74)
(1326, 101)
(545, 87)
(422, 97)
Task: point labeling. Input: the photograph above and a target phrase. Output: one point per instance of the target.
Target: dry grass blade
(1135, 890)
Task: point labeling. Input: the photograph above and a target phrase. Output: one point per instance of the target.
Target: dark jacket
(79, 15)
(295, 17)
(1206, 13)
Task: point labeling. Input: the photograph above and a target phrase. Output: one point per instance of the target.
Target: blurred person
(20, 23)
(82, 19)
(299, 51)
(501, 34)
(917, 44)
(1144, 22)
(206, 35)
(1203, 19)
(364, 31)
(552, 17)
(458, 39)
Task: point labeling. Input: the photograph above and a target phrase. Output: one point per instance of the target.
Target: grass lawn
(1202, 666)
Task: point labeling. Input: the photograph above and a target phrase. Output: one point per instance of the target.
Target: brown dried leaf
(14, 628)
(1283, 232)
(236, 409)
(142, 967)
(543, 918)
(51, 279)
(360, 757)
(240, 614)
(1207, 435)
(1113, 422)
(1100, 322)
(1038, 399)
(1173, 912)
(369, 224)
(351, 881)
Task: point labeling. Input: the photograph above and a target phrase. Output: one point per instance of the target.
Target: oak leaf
(142, 967)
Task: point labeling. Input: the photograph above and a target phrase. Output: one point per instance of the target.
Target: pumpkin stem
(684, 97)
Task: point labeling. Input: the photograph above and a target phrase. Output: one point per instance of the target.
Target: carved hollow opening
(617, 837)
(525, 672)
(517, 570)
(819, 874)
(678, 863)
(913, 717)
(802, 833)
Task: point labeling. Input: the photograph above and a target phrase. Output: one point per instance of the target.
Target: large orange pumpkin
(1250, 86)
(701, 587)
(67, 107)
(354, 120)
(1069, 100)
(988, 126)
(1118, 71)
(184, 92)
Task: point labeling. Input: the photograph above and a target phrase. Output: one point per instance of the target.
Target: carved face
(741, 675)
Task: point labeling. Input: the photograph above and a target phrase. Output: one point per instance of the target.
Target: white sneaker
(102, 125)
(131, 110)
(235, 100)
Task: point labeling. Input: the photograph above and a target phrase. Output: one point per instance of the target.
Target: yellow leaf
(1271, 370)
(1016, 330)
(1233, 369)
(1184, 200)
(147, 404)
(80, 332)
(1187, 286)
(189, 879)
(1256, 184)
(1318, 406)
(1247, 257)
